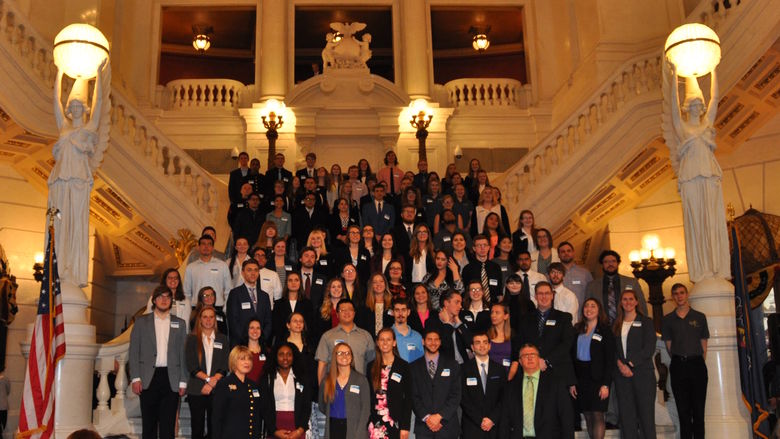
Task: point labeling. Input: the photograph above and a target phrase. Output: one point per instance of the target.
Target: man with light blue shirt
(408, 340)
(207, 271)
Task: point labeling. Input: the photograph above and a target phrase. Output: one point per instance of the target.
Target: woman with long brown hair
(344, 397)
(523, 238)
(391, 390)
(181, 306)
(206, 353)
(376, 313)
(500, 335)
(328, 317)
(419, 261)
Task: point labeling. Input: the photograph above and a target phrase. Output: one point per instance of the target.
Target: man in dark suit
(402, 233)
(249, 220)
(492, 281)
(312, 282)
(158, 377)
(421, 178)
(247, 302)
(537, 404)
(608, 287)
(455, 336)
(238, 177)
(551, 332)
(310, 187)
(278, 173)
(369, 196)
(436, 390)
(306, 218)
(483, 393)
(379, 213)
(310, 170)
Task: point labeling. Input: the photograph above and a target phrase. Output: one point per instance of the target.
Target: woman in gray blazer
(345, 397)
(206, 353)
(635, 378)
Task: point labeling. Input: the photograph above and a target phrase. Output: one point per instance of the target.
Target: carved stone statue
(346, 52)
(690, 136)
(84, 133)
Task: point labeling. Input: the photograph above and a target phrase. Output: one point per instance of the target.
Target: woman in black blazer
(377, 301)
(338, 223)
(420, 252)
(292, 301)
(236, 402)
(391, 389)
(635, 381)
(205, 370)
(594, 364)
(286, 408)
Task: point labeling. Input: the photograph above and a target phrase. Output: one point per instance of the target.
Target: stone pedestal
(725, 415)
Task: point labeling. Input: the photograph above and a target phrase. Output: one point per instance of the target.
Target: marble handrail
(204, 93)
(472, 92)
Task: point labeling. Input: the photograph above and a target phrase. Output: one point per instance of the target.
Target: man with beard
(577, 277)
(530, 278)
(565, 300)
(607, 288)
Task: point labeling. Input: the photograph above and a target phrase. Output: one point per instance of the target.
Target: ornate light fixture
(202, 37)
(337, 37)
(694, 49)
(421, 119)
(79, 49)
(654, 265)
(38, 267)
(480, 41)
(272, 117)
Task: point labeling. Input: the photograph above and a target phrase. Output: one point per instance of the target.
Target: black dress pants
(158, 407)
(200, 408)
(689, 385)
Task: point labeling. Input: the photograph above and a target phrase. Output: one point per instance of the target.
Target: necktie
(540, 323)
(379, 208)
(409, 231)
(611, 301)
(431, 368)
(279, 174)
(307, 285)
(392, 181)
(253, 296)
(528, 404)
(484, 281)
(483, 375)
(526, 287)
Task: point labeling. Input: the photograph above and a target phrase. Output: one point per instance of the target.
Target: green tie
(528, 404)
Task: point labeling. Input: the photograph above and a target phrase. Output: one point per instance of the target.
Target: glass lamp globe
(694, 49)
(480, 42)
(201, 43)
(273, 109)
(79, 49)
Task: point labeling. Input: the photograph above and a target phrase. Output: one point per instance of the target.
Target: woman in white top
(287, 396)
(240, 254)
(181, 306)
(420, 260)
(334, 186)
(545, 254)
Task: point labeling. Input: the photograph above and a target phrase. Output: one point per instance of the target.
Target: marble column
(416, 56)
(272, 50)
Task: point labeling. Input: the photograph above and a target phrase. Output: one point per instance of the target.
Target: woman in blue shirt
(345, 397)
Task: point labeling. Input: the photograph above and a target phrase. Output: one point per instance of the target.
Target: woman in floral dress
(391, 390)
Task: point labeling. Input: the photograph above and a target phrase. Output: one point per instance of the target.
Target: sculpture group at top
(344, 51)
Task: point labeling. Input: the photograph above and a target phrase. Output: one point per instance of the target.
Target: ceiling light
(201, 40)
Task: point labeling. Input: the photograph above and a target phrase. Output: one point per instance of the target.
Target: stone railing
(491, 92)
(111, 415)
(162, 154)
(183, 94)
(32, 48)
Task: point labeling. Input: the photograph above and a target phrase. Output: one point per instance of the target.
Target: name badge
(471, 381)
(597, 337)
(410, 347)
(175, 325)
(217, 345)
(493, 282)
(363, 257)
(549, 323)
(261, 357)
(299, 386)
(469, 318)
(446, 239)
(261, 196)
(246, 305)
(629, 288)
(354, 389)
(288, 268)
(504, 268)
(387, 217)
(220, 319)
(506, 362)
(323, 262)
(338, 341)
(214, 270)
(390, 312)
(576, 282)
(285, 179)
(637, 324)
(240, 205)
(318, 281)
(396, 377)
(429, 201)
(268, 279)
(284, 218)
(445, 373)
(255, 393)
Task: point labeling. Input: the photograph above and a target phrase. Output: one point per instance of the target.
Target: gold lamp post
(272, 118)
(421, 120)
(654, 265)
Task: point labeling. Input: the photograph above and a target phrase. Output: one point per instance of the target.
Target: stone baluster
(168, 162)
(103, 392)
(120, 384)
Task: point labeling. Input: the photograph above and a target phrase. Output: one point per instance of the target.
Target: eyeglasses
(349, 270)
(209, 295)
(421, 232)
(343, 354)
(529, 355)
(475, 289)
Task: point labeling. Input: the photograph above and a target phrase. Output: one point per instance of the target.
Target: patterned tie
(611, 302)
(307, 285)
(483, 375)
(484, 282)
(528, 404)
(431, 368)
(540, 323)
(253, 296)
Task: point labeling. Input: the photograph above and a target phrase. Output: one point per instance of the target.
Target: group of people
(340, 317)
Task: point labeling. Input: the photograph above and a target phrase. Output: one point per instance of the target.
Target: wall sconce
(202, 37)
(79, 49)
(694, 49)
(272, 117)
(337, 37)
(654, 265)
(421, 120)
(480, 41)
(38, 267)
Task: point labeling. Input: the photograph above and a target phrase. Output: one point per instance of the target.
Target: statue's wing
(104, 122)
(671, 110)
(357, 27)
(338, 27)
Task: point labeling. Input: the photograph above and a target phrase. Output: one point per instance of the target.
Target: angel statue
(78, 152)
(690, 136)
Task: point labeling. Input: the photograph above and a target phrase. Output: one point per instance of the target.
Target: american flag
(36, 419)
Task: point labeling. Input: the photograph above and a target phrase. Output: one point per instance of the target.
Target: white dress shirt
(566, 301)
(284, 393)
(533, 279)
(162, 328)
(208, 350)
(419, 268)
(214, 274)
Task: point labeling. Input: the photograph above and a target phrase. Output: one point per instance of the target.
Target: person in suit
(238, 177)
(278, 173)
(419, 260)
(476, 311)
(635, 380)
(455, 335)
(285, 395)
(436, 391)
(483, 394)
(537, 404)
(404, 232)
(345, 397)
(236, 403)
(493, 286)
(523, 237)
(375, 312)
(379, 213)
(313, 283)
(391, 390)
(594, 365)
(206, 352)
(339, 223)
(292, 301)
(354, 253)
(311, 167)
(158, 370)
(306, 218)
(245, 302)
(607, 288)
(551, 331)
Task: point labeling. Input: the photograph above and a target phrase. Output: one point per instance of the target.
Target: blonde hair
(323, 250)
(326, 307)
(387, 297)
(238, 353)
(329, 383)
